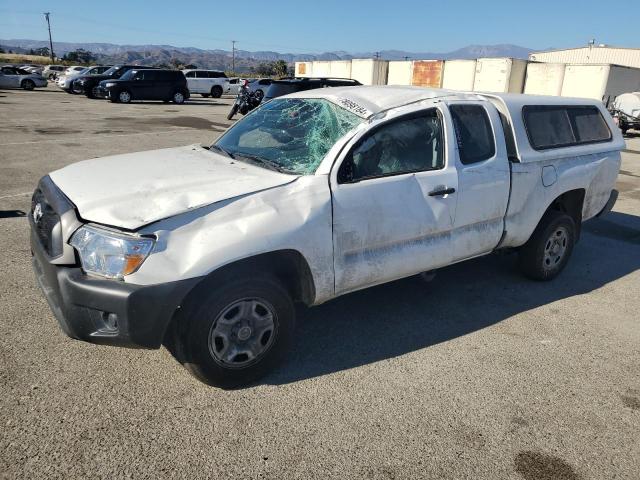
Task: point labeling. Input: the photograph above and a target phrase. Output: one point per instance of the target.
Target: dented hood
(135, 189)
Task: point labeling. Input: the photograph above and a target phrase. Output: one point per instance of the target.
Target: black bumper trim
(82, 304)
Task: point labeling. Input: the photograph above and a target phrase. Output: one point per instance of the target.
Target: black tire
(123, 96)
(216, 91)
(548, 250)
(201, 346)
(178, 97)
(259, 94)
(28, 84)
(205, 95)
(233, 111)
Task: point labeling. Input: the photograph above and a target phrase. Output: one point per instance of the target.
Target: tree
(42, 51)
(80, 56)
(280, 68)
(265, 69)
(2, 50)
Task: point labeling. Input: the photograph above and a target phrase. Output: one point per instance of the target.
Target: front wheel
(239, 331)
(122, 97)
(28, 84)
(233, 111)
(548, 250)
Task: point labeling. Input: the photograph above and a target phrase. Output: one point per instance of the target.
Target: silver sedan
(14, 77)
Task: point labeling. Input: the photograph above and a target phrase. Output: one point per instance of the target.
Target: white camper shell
(308, 197)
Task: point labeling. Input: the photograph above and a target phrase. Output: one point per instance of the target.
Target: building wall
(629, 57)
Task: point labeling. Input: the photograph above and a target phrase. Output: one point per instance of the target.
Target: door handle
(441, 191)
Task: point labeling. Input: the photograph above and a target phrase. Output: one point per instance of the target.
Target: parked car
(51, 72)
(14, 77)
(141, 84)
(74, 69)
(290, 85)
(207, 82)
(307, 198)
(65, 82)
(88, 84)
(259, 86)
(234, 86)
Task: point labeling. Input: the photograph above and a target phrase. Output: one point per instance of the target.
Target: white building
(600, 54)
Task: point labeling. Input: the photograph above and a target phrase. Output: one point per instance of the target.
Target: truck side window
(473, 133)
(588, 125)
(413, 143)
(551, 126)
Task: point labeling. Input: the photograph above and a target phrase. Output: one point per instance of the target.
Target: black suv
(143, 84)
(88, 84)
(292, 85)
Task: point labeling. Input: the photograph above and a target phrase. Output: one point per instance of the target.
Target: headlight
(110, 254)
(108, 85)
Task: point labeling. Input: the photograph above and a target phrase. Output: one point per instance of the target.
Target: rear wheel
(178, 97)
(259, 94)
(216, 91)
(548, 250)
(28, 84)
(239, 332)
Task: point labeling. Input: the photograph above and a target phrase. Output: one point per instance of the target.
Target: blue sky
(317, 26)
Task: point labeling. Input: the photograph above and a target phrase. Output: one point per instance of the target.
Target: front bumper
(106, 311)
(101, 92)
(91, 308)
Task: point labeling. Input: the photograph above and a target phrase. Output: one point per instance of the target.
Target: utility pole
(46, 15)
(233, 56)
(406, 57)
(376, 55)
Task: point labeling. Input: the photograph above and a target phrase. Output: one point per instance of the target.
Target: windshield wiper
(264, 162)
(223, 150)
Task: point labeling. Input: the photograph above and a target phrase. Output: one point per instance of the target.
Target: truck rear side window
(473, 133)
(564, 126)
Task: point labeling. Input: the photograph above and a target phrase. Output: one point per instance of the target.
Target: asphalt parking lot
(477, 374)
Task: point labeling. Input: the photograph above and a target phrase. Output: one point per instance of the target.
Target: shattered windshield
(289, 134)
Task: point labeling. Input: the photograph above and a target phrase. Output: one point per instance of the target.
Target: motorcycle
(245, 101)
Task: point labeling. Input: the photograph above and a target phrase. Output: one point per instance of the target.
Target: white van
(308, 197)
(207, 82)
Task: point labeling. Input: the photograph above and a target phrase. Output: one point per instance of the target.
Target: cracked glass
(292, 135)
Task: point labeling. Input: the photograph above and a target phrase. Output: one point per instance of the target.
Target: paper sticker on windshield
(354, 107)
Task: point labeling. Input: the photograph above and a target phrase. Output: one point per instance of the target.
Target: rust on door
(427, 73)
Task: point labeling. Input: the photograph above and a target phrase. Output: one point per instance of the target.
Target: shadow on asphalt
(12, 213)
(393, 319)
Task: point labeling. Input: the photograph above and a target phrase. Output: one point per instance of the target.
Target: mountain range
(245, 60)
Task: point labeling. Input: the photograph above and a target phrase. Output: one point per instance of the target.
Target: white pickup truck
(311, 196)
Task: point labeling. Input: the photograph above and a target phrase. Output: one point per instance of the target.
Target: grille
(44, 220)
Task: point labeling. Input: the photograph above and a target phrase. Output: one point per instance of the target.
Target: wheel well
(570, 203)
(288, 266)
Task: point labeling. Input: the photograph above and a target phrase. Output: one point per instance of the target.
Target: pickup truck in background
(311, 196)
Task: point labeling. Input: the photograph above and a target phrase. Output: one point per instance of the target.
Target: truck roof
(376, 99)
